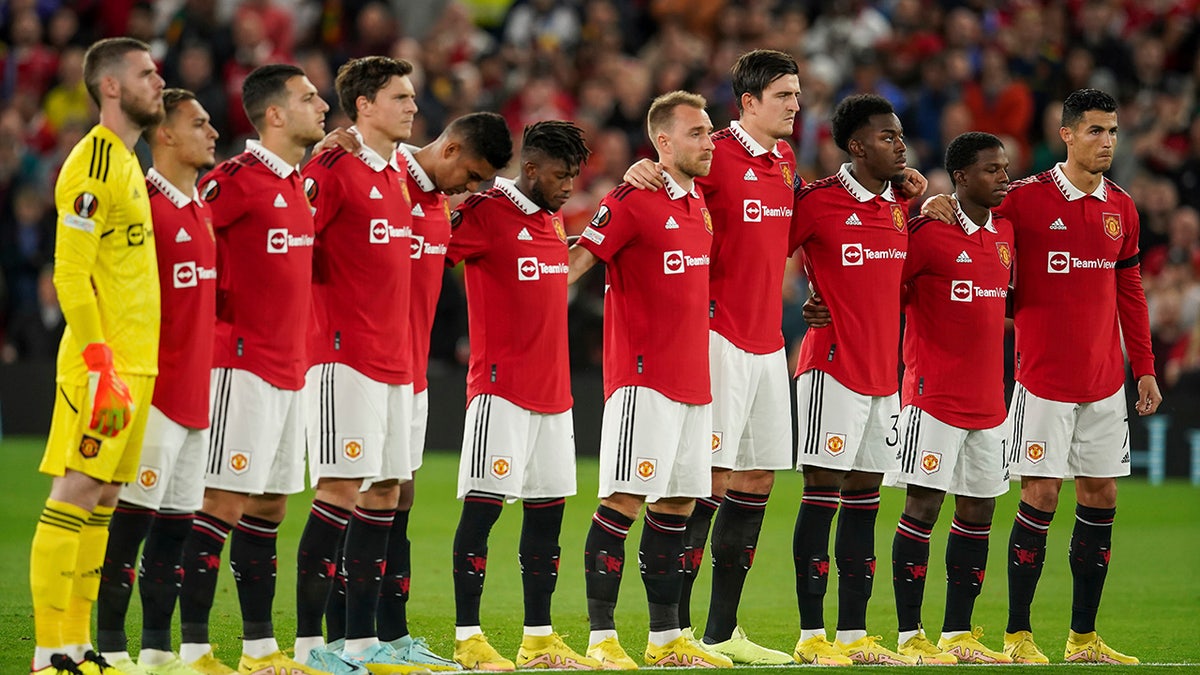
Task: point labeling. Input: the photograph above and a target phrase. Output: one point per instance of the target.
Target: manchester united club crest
(404, 189)
(789, 178)
(646, 468)
(835, 444)
(352, 449)
(556, 221)
(501, 466)
(1005, 252)
(148, 477)
(446, 209)
(239, 462)
(707, 219)
(931, 461)
(1112, 225)
(89, 447)
(898, 219)
(1035, 451)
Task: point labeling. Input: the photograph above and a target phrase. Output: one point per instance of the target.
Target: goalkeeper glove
(112, 406)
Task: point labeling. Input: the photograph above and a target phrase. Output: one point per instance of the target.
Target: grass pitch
(1151, 603)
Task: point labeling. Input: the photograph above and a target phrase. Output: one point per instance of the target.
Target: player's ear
(451, 150)
(1066, 135)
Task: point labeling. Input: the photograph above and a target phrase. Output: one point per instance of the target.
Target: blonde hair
(662, 110)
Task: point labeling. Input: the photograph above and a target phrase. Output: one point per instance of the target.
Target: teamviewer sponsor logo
(673, 262)
(416, 246)
(752, 210)
(852, 255)
(277, 240)
(961, 291)
(1058, 262)
(528, 270)
(185, 274)
(379, 231)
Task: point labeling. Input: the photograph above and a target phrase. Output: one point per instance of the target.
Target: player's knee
(679, 506)
(755, 482)
(625, 504)
(1041, 493)
(975, 510)
(341, 492)
(267, 507)
(1098, 493)
(382, 496)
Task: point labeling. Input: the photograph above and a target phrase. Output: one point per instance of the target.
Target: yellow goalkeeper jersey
(105, 270)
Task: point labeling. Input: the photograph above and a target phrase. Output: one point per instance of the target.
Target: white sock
(113, 657)
(598, 636)
(360, 646)
(41, 656)
(951, 634)
(808, 633)
(190, 652)
(466, 632)
(847, 636)
(662, 637)
(304, 645)
(76, 652)
(260, 648)
(906, 635)
(538, 631)
(154, 657)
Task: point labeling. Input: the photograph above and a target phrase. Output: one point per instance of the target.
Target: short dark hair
(264, 86)
(662, 109)
(172, 99)
(965, 148)
(102, 56)
(854, 113)
(1080, 101)
(557, 140)
(484, 134)
(365, 77)
(755, 70)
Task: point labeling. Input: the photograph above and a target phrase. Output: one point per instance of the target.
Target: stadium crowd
(947, 66)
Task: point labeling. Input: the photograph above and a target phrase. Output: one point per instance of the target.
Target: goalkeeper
(107, 280)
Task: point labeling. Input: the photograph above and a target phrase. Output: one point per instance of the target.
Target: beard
(695, 167)
(142, 115)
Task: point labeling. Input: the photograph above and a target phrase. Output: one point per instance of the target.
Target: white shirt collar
(509, 188)
(414, 168)
(177, 197)
(969, 225)
(675, 190)
(273, 161)
(372, 158)
(752, 146)
(1072, 193)
(861, 193)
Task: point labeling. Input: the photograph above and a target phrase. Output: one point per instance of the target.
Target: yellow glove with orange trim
(112, 405)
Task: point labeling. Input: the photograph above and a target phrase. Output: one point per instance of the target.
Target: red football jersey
(854, 245)
(516, 277)
(264, 230)
(187, 279)
(1078, 287)
(656, 246)
(750, 194)
(430, 239)
(362, 267)
(956, 284)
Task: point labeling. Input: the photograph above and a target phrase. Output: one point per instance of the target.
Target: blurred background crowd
(948, 67)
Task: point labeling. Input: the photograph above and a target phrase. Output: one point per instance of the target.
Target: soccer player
(519, 440)
(264, 230)
(654, 445)
(952, 432)
(1078, 290)
(158, 505)
(105, 273)
(359, 388)
(852, 226)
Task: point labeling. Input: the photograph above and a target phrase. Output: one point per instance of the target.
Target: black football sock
(1026, 555)
(365, 556)
(603, 563)
(160, 575)
(252, 557)
(810, 551)
(734, 542)
(910, 562)
(693, 551)
(966, 565)
(479, 514)
(335, 604)
(392, 619)
(538, 555)
(1091, 545)
(201, 564)
(660, 557)
(316, 565)
(126, 531)
(854, 548)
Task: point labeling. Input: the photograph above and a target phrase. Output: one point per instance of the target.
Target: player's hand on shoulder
(940, 207)
(645, 175)
(339, 138)
(911, 184)
(815, 311)
(1149, 397)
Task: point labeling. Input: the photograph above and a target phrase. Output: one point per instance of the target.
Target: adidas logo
(280, 202)
(1125, 459)
(182, 237)
(672, 225)
(1058, 224)
(524, 235)
(749, 175)
(375, 194)
(417, 211)
(853, 219)
(963, 258)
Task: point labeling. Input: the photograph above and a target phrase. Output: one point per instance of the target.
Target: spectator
(34, 333)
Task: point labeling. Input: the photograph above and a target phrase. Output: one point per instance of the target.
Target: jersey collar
(509, 188)
(1072, 193)
(969, 225)
(856, 189)
(273, 161)
(414, 168)
(177, 197)
(370, 157)
(752, 146)
(675, 190)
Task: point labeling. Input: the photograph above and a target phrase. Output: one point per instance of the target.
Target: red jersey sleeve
(324, 191)
(468, 234)
(231, 202)
(605, 235)
(1131, 302)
